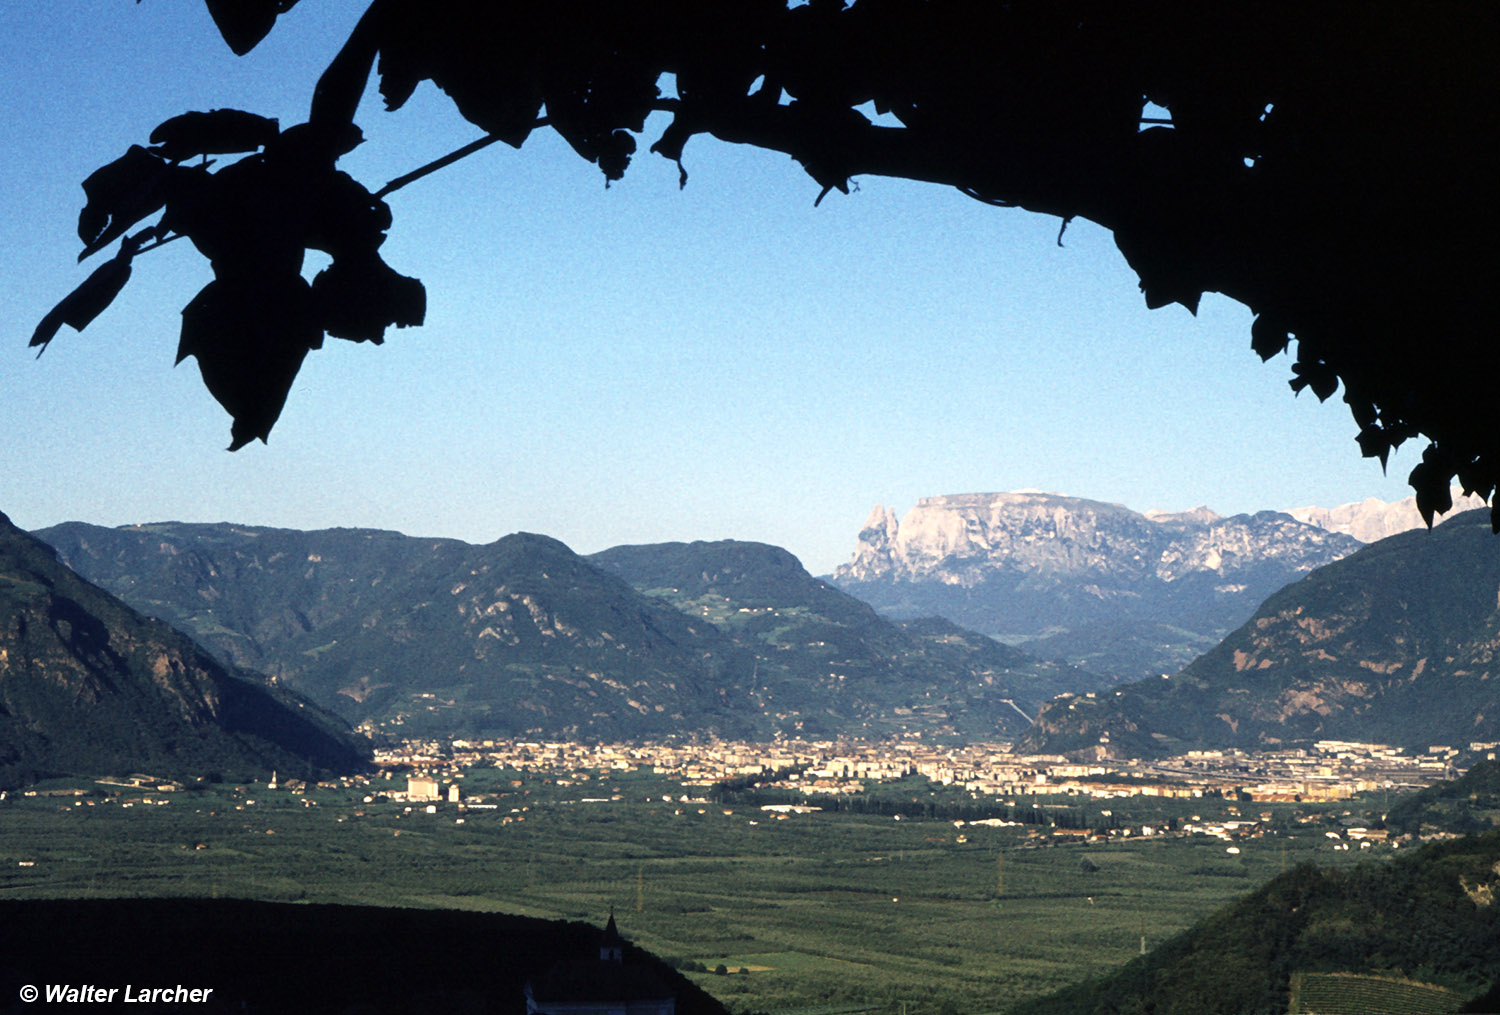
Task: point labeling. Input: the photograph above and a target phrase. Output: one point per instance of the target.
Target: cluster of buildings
(1325, 770)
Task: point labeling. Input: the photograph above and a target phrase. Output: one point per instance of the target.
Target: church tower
(612, 946)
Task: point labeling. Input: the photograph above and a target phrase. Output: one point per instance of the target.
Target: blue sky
(637, 364)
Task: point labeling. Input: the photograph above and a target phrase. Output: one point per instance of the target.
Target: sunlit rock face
(1131, 593)
(1370, 520)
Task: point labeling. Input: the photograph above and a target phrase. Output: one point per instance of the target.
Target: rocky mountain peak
(1199, 515)
(1112, 589)
(958, 537)
(1370, 520)
(876, 543)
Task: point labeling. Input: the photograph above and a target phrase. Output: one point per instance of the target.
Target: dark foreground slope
(278, 957)
(1398, 643)
(1430, 916)
(89, 686)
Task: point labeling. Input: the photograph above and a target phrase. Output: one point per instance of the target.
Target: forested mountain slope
(89, 686)
(524, 637)
(1398, 643)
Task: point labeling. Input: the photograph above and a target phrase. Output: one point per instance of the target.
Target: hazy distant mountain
(523, 636)
(1371, 520)
(89, 686)
(1099, 585)
(826, 656)
(1398, 643)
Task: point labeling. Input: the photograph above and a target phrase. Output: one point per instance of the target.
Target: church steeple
(611, 947)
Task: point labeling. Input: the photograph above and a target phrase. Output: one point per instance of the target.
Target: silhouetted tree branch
(1328, 165)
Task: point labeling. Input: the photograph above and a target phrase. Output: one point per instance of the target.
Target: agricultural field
(799, 911)
(1351, 994)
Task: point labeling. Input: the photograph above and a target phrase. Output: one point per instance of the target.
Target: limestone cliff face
(1227, 546)
(958, 539)
(962, 539)
(1075, 578)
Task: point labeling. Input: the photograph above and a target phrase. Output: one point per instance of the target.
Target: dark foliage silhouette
(1324, 164)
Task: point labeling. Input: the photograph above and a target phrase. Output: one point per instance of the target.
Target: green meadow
(811, 912)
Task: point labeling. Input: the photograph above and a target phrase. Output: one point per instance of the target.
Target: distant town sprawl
(1325, 770)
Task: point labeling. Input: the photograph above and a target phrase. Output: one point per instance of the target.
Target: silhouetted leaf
(336, 97)
(614, 154)
(248, 217)
(1166, 287)
(1475, 481)
(79, 308)
(249, 336)
(315, 145)
(1036, 106)
(218, 131)
(346, 218)
(120, 195)
(671, 143)
(1317, 375)
(243, 23)
(1362, 409)
(1373, 443)
(1268, 337)
(359, 295)
(1429, 481)
(260, 213)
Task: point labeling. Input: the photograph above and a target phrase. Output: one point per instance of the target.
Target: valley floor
(798, 910)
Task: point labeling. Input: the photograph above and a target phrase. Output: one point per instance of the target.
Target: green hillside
(1429, 916)
(426, 636)
(1354, 994)
(820, 649)
(1466, 805)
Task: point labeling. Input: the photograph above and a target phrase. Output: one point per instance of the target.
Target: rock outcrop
(1097, 584)
(1371, 520)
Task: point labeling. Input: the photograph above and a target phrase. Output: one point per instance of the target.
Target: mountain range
(90, 686)
(1113, 590)
(524, 637)
(1397, 643)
